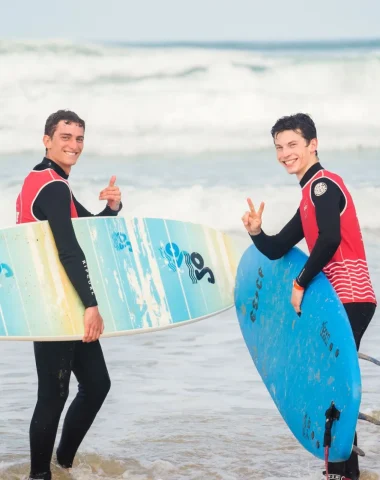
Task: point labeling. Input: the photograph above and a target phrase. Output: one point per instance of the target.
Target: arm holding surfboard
(275, 246)
(328, 207)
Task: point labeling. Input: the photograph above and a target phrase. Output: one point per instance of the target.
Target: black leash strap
(331, 415)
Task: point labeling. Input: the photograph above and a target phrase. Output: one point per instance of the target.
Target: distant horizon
(329, 41)
(363, 41)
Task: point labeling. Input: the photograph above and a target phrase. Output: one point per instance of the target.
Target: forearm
(107, 212)
(73, 260)
(276, 246)
(270, 245)
(323, 251)
(53, 204)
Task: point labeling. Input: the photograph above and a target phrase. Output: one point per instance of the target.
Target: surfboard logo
(256, 299)
(121, 241)
(6, 270)
(325, 334)
(195, 264)
(306, 426)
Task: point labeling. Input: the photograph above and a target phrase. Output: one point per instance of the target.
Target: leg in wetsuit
(360, 315)
(55, 361)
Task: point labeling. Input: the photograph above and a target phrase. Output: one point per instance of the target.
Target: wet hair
(300, 122)
(67, 116)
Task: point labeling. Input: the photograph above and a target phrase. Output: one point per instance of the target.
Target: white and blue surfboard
(147, 273)
(305, 362)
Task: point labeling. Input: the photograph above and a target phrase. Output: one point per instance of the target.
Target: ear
(47, 141)
(313, 145)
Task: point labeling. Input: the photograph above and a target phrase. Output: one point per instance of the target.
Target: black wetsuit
(328, 208)
(56, 360)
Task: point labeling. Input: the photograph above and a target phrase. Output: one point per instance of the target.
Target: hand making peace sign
(252, 219)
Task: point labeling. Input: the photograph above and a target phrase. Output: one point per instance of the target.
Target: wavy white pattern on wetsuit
(351, 280)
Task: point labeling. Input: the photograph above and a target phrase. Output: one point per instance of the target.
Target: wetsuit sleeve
(328, 206)
(107, 212)
(275, 246)
(53, 204)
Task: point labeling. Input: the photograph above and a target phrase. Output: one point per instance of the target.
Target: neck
(310, 174)
(65, 168)
(302, 172)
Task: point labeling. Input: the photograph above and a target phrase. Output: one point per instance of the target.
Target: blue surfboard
(305, 362)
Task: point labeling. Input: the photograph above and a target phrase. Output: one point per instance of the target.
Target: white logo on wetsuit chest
(320, 189)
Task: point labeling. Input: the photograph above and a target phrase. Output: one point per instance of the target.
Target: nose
(286, 151)
(73, 144)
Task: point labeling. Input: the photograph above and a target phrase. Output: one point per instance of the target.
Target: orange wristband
(297, 287)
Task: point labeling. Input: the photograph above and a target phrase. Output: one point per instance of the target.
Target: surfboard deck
(147, 273)
(305, 362)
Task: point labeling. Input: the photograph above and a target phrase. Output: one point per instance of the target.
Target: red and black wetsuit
(327, 219)
(46, 195)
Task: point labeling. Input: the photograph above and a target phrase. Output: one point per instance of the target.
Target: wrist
(254, 233)
(297, 286)
(93, 308)
(115, 208)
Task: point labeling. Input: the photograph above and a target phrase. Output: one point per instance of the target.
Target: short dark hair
(67, 116)
(300, 122)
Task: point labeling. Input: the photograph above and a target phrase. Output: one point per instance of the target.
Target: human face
(294, 153)
(66, 145)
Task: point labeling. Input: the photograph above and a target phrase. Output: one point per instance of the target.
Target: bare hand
(93, 325)
(252, 219)
(296, 300)
(112, 194)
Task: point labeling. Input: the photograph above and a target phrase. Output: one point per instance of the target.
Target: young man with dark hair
(327, 219)
(46, 195)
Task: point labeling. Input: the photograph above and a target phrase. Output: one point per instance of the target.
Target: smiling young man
(46, 195)
(327, 219)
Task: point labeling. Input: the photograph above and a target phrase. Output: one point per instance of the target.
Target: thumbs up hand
(112, 194)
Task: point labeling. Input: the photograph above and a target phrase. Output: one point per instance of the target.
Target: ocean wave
(219, 207)
(155, 100)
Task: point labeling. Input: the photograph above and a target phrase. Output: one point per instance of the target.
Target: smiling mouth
(289, 163)
(71, 154)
